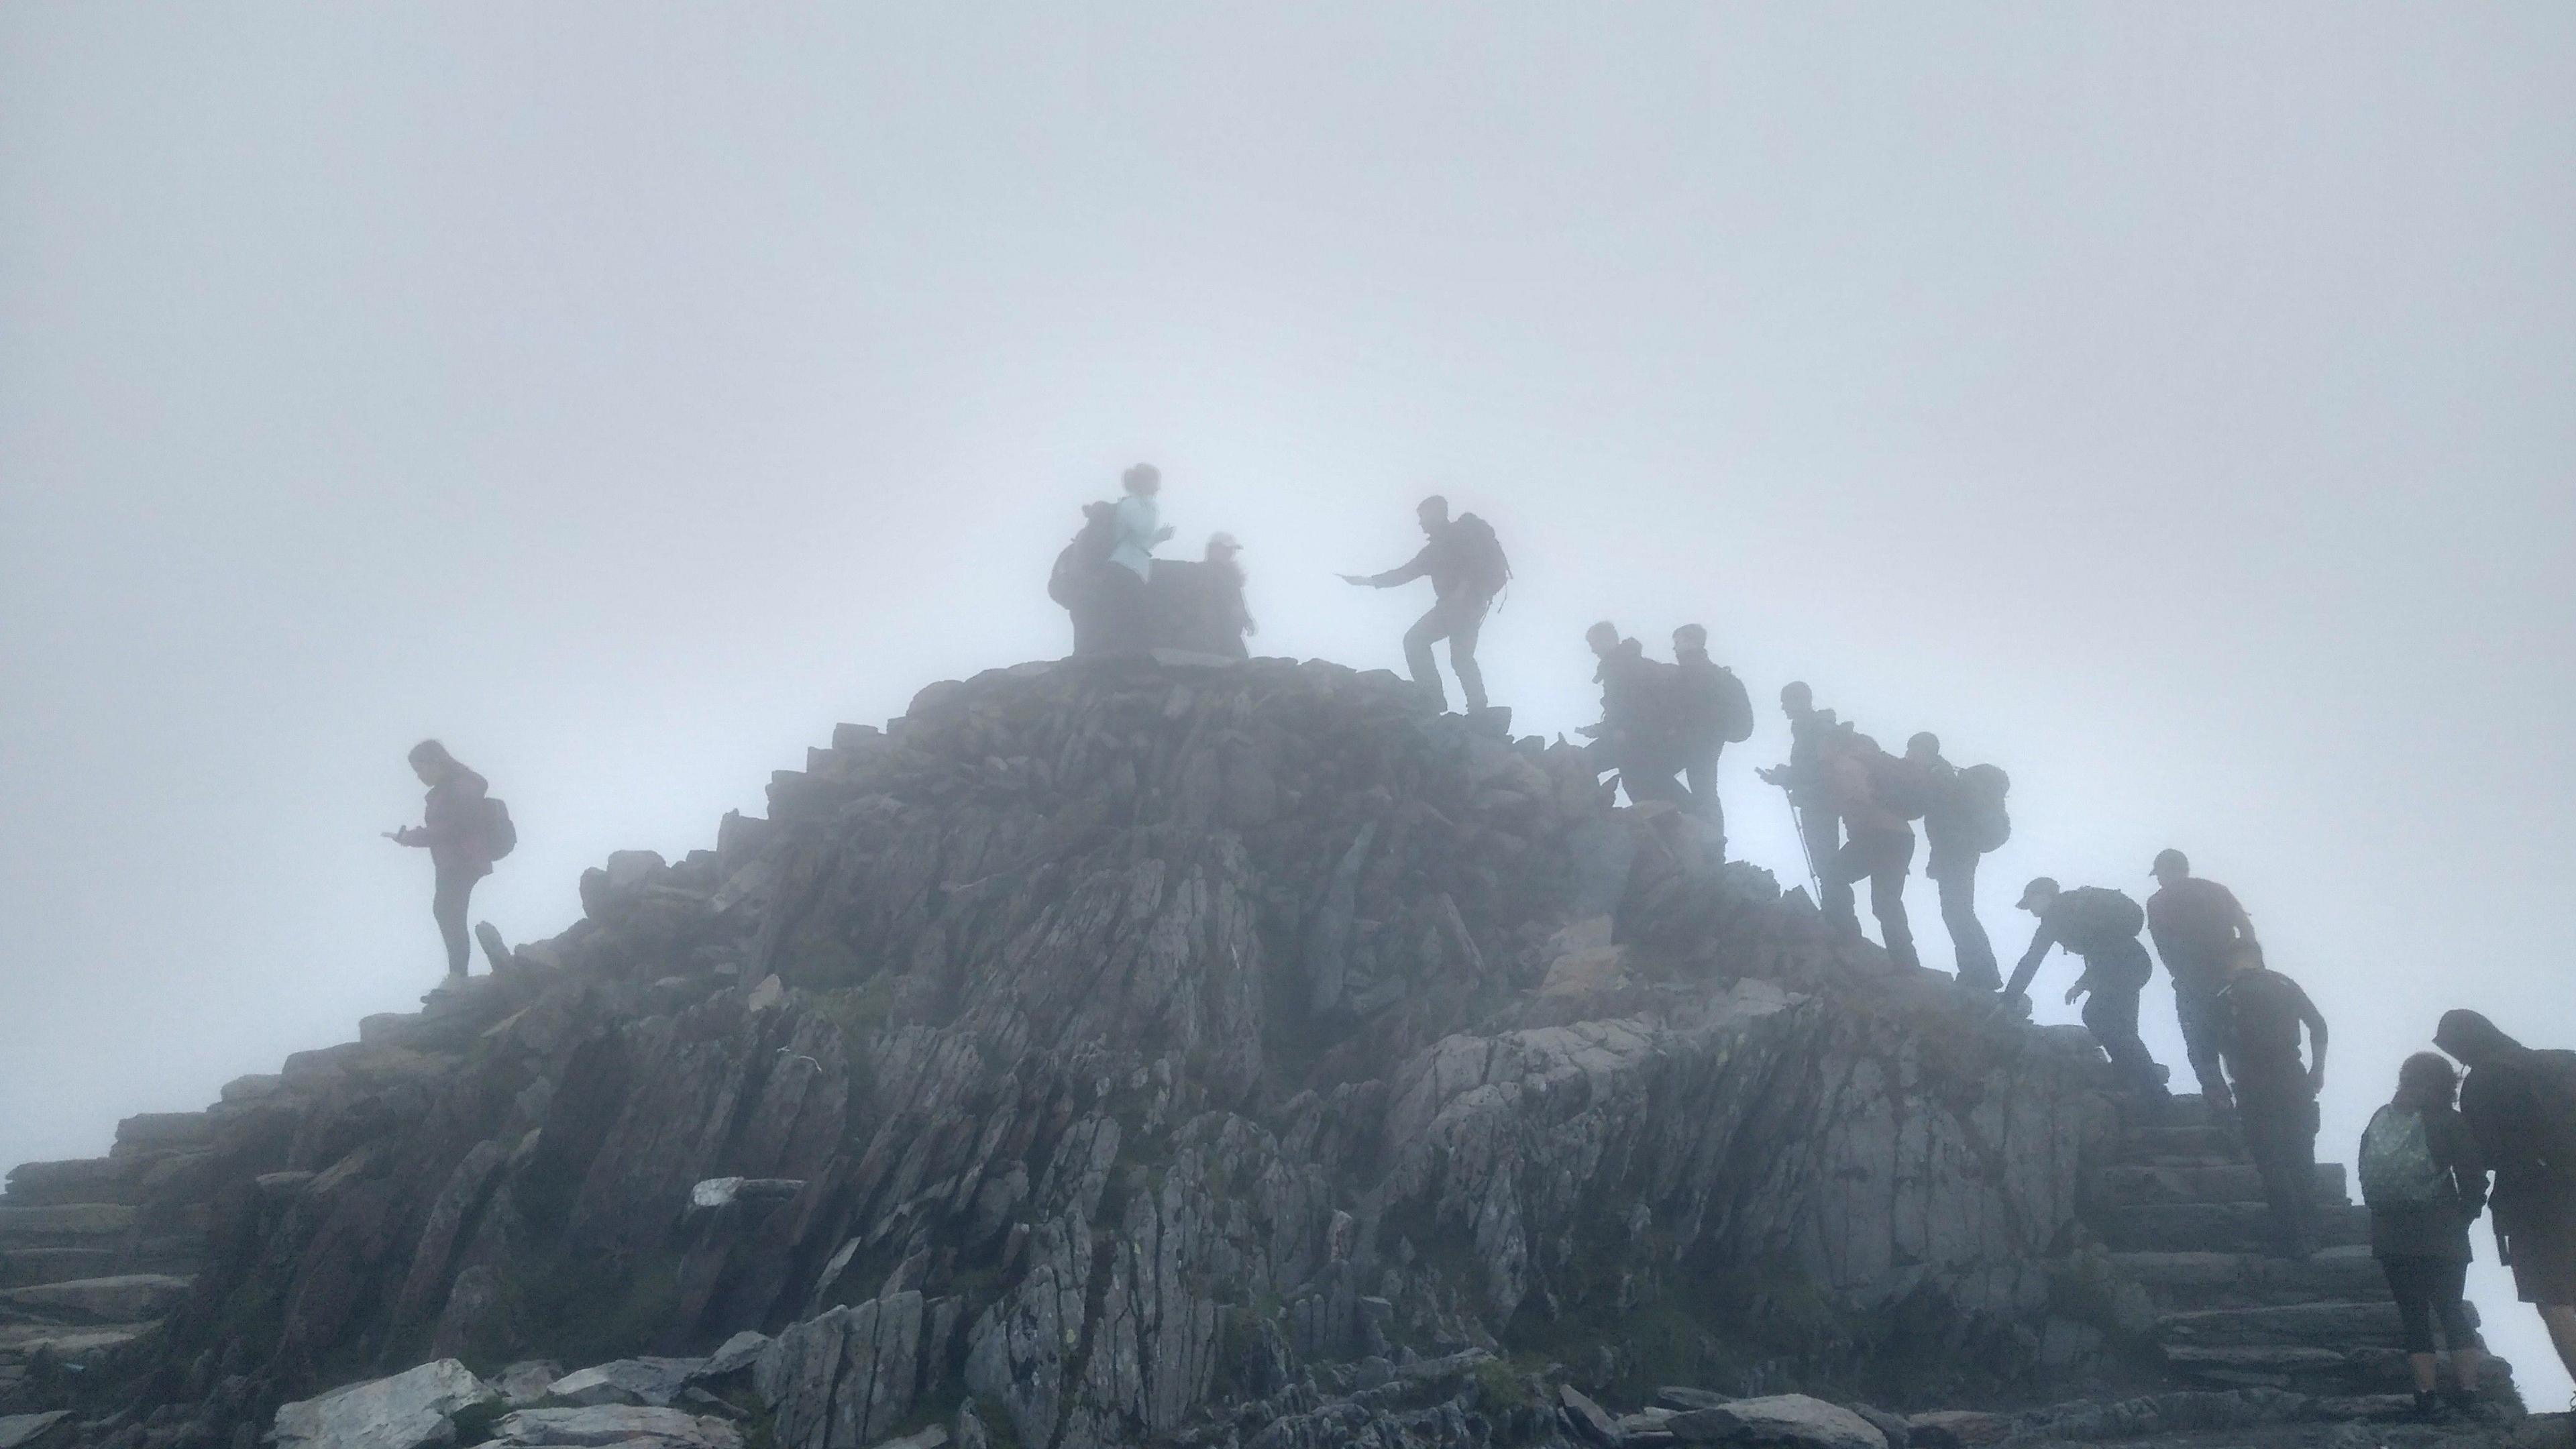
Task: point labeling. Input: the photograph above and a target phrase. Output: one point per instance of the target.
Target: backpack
(1731, 711)
(2100, 915)
(500, 837)
(1979, 792)
(1481, 555)
(1082, 559)
(1896, 786)
(2397, 1166)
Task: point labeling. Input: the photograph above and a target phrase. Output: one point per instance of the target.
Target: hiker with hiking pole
(1819, 828)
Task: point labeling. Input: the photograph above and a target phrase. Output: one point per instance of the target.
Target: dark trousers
(2111, 1014)
(1882, 857)
(1458, 620)
(1976, 954)
(2280, 1125)
(2426, 1288)
(1699, 772)
(1822, 831)
(447, 905)
(2197, 1011)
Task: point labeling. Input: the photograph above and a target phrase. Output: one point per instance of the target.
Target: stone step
(64, 1225)
(2149, 1144)
(125, 1298)
(2221, 1227)
(2336, 1326)
(2190, 1181)
(79, 1179)
(2214, 1280)
(2314, 1370)
(22, 1266)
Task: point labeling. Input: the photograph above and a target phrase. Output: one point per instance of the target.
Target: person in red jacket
(455, 829)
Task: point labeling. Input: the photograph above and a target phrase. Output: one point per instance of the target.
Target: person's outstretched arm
(1420, 566)
(2040, 941)
(2316, 1041)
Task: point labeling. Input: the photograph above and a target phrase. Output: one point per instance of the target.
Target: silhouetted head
(1797, 701)
(2039, 895)
(2171, 865)
(1690, 639)
(1433, 512)
(431, 761)
(1925, 745)
(1221, 546)
(1096, 511)
(1144, 480)
(1603, 637)
(2426, 1081)
(2472, 1039)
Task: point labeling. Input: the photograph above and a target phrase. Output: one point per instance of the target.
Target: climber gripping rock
(1465, 563)
(464, 829)
(2100, 926)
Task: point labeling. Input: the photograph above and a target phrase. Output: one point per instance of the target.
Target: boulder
(1586, 1418)
(526, 1382)
(34, 1431)
(1958, 1429)
(654, 1382)
(410, 1410)
(613, 1424)
(845, 1377)
(1777, 1421)
(733, 1356)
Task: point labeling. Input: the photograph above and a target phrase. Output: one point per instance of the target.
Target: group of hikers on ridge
(2424, 1163)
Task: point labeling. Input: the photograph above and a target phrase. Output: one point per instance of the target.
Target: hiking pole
(1798, 827)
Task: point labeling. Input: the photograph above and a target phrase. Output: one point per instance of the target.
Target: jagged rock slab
(613, 1424)
(123, 1299)
(1777, 1421)
(40, 1226)
(410, 1410)
(2340, 1326)
(34, 1431)
(733, 1356)
(82, 1179)
(843, 1378)
(652, 1382)
(524, 1383)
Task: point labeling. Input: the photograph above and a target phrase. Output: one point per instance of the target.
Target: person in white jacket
(1139, 528)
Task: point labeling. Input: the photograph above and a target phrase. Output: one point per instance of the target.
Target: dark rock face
(1128, 1053)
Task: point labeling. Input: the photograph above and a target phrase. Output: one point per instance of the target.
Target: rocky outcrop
(1135, 1052)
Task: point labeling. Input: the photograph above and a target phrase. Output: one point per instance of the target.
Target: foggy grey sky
(2169, 403)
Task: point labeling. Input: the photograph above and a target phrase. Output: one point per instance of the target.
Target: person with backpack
(1136, 526)
(1711, 712)
(2197, 926)
(1079, 582)
(1465, 564)
(2100, 926)
(1634, 736)
(1872, 795)
(1963, 820)
(1803, 777)
(2424, 1185)
(2261, 1012)
(2520, 1107)
(464, 830)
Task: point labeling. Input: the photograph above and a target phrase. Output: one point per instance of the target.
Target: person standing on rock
(1960, 825)
(1231, 622)
(2422, 1180)
(1635, 734)
(1127, 603)
(2101, 926)
(1080, 579)
(1711, 711)
(464, 830)
(2520, 1107)
(1862, 787)
(1819, 829)
(1465, 564)
(2261, 1012)
(2198, 927)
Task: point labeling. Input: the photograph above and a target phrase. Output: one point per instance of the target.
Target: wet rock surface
(1178, 1052)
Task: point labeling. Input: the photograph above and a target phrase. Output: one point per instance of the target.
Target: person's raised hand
(2073, 992)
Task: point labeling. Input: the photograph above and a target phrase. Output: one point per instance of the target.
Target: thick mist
(2170, 405)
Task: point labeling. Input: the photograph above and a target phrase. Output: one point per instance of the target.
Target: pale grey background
(2171, 403)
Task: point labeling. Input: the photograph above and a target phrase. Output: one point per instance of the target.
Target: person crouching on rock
(457, 830)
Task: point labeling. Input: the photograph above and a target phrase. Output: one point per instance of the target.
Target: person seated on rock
(2100, 926)
(2520, 1107)
(2421, 1178)
(1126, 603)
(2197, 926)
(1465, 563)
(1803, 776)
(1863, 785)
(464, 830)
(1712, 711)
(1634, 736)
(1230, 617)
(1080, 580)
(2261, 1012)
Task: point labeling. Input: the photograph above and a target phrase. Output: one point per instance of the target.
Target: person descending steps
(1465, 563)
(2261, 1012)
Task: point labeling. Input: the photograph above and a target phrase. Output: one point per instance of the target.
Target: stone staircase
(92, 1254)
(2185, 1219)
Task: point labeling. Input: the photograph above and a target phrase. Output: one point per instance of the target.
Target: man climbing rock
(2520, 1106)
(1127, 601)
(1465, 564)
(1819, 829)
(2198, 927)
(1635, 735)
(2261, 1012)
(464, 830)
(1963, 819)
(1866, 789)
(2101, 926)
(1711, 712)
